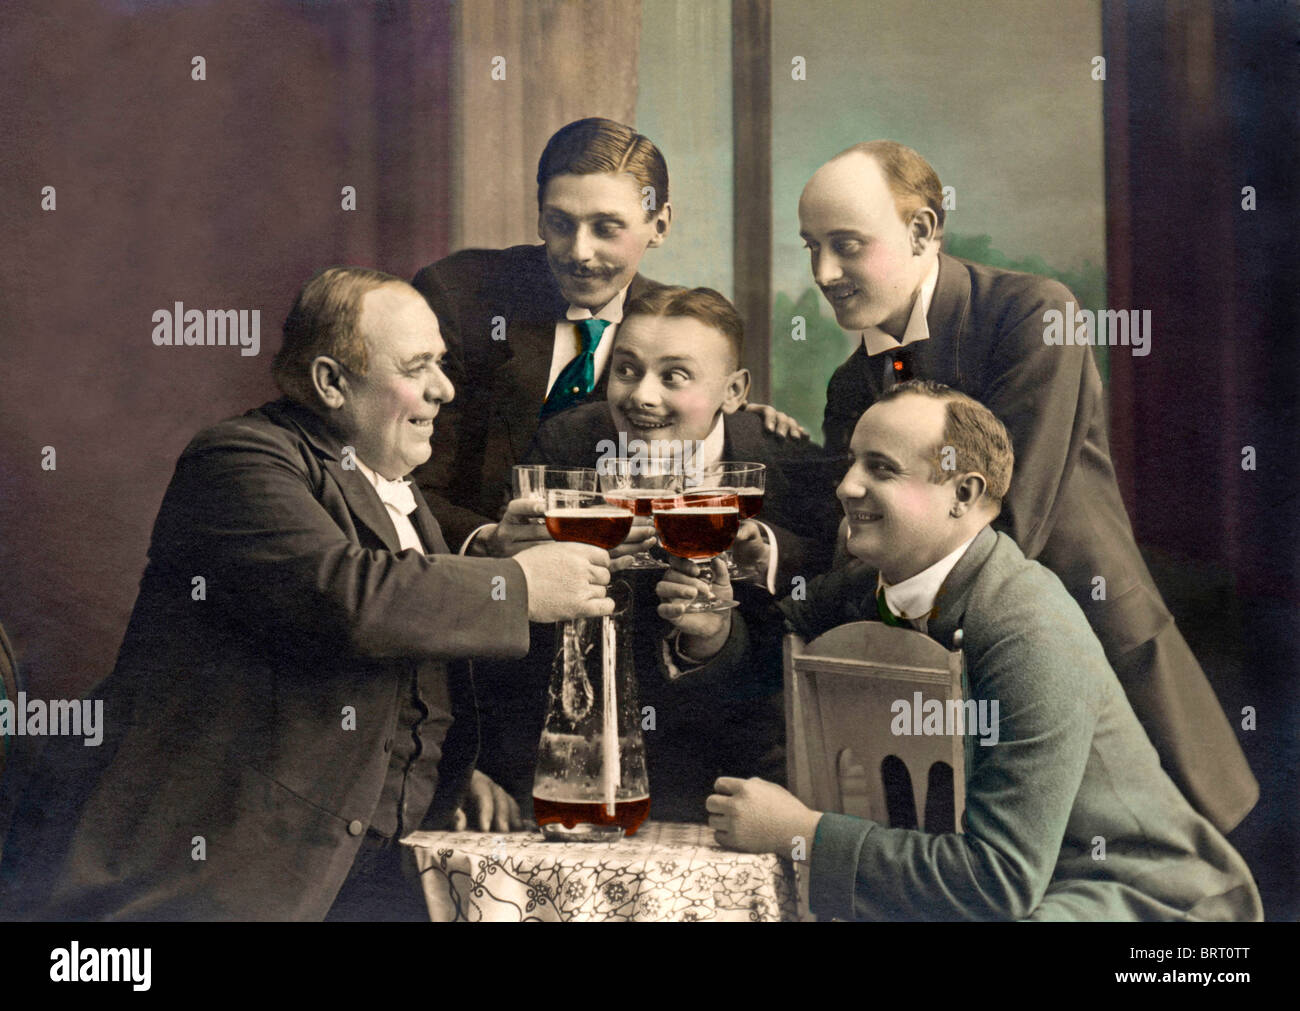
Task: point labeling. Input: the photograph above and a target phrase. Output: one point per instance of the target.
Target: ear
(663, 225)
(736, 391)
(968, 493)
(328, 381)
(922, 230)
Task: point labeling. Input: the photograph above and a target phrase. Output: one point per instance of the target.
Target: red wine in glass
(698, 531)
(751, 502)
(604, 526)
(636, 499)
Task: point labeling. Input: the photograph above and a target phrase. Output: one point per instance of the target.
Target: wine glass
(698, 527)
(632, 483)
(748, 482)
(532, 480)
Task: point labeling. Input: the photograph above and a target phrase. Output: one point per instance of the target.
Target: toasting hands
(519, 529)
(703, 632)
(751, 551)
(566, 580)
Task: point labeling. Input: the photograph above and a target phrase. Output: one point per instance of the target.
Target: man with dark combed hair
(530, 328)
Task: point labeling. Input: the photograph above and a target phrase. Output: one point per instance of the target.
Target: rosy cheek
(626, 249)
(694, 404)
(407, 400)
(912, 501)
(880, 262)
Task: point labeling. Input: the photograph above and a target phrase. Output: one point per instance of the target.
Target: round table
(666, 871)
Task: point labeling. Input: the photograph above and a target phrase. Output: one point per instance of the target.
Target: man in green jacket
(1069, 815)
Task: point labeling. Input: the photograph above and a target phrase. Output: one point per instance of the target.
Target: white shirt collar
(913, 598)
(374, 477)
(714, 443)
(611, 310)
(876, 340)
(399, 502)
(706, 454)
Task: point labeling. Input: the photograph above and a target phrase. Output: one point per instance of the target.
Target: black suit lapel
(426, 526)
(535, 306)
(364, 503)
(740, 442)
(359, 494)
(939, 357)
(639, 285)
(521, 381)
(950, 603)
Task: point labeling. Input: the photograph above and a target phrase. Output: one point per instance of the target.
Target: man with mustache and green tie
(530, 328)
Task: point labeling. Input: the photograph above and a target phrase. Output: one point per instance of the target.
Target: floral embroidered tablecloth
(666, 871)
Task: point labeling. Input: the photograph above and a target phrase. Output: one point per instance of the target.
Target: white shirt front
(712, 446)
(407, 536)
(568, 342)
(876, 340)
(913, 598)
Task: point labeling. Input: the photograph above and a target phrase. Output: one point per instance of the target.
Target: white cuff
(470, 539)
(771, 556)
(673, 655)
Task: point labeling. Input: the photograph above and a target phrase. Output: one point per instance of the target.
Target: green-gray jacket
(1072, 768)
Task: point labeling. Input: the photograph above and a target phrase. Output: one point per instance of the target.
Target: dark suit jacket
(1064, 507)
(1071, 765)
(500, 384)
(225, 714)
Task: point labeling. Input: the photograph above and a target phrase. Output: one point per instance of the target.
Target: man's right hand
(703, 632)
(517, 531)
(566, 580)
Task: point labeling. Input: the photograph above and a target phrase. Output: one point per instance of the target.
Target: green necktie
(886, 615)
(576, 381)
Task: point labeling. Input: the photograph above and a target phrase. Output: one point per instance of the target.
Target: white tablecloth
(666, 871)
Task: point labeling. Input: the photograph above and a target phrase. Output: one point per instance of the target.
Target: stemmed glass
(747, 481)
(698, 527)
(532, 480)
(632, 483)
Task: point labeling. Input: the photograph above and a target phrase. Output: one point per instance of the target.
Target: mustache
(573, 270)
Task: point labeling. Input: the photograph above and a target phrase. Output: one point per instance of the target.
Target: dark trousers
(383, 886)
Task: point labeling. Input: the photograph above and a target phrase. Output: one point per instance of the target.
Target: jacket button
(356, 826)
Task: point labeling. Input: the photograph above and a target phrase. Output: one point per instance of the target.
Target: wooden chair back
(845, 748)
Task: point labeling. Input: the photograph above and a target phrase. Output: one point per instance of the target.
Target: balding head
(870, 250)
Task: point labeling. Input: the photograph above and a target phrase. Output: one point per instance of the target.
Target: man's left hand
(782, 424)
(755, 816)
(487, 807)
(750, 551)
